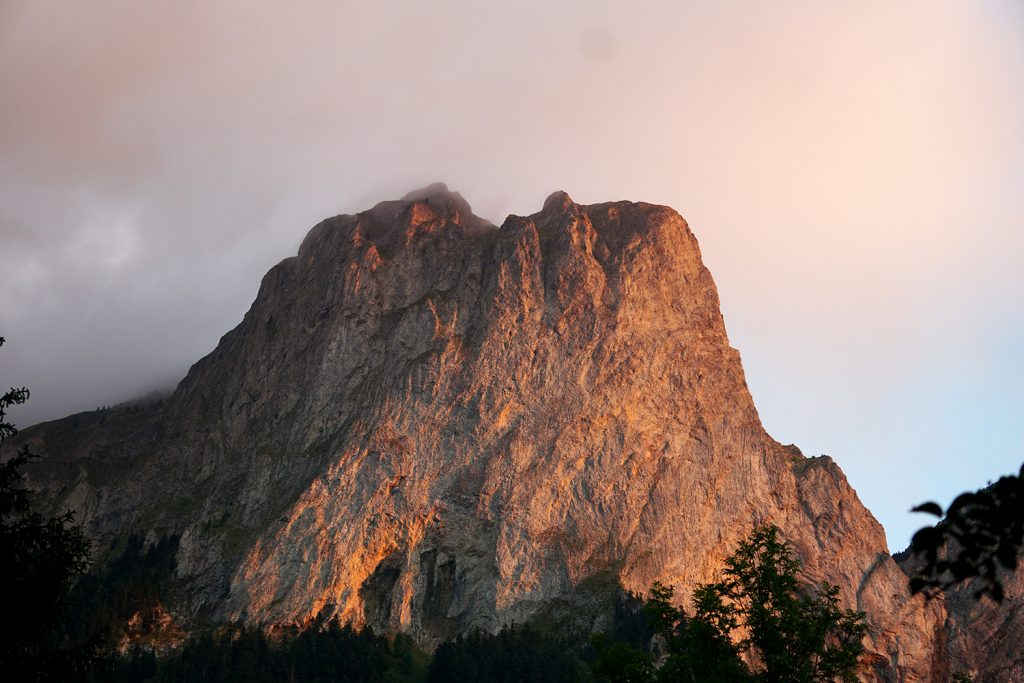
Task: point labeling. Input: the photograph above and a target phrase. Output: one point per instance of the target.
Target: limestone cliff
(431, 424)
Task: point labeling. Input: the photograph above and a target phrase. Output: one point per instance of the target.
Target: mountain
(429, 424)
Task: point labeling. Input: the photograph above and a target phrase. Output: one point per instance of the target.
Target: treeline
(333, 653)
(513, 655)
(340, 654)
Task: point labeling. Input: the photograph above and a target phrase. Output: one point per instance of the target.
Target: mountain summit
(430, 424)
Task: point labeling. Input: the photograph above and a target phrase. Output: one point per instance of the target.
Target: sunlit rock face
(430, 424)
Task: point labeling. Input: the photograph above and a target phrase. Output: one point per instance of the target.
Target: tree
(39, 558)
(698, 649)
(760, 611)
(619, 662)
(13, 397)
(981, 534)
(514, 654)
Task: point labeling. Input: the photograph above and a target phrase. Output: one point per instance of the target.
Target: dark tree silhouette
(13, 397)
(760, 611)
(239, 654)
(514, 655)
(39, 558)
(981, 534)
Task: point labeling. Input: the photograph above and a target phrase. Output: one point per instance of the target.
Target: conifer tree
(759, 623)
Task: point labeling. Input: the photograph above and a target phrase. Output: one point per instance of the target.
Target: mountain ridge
(427, 423)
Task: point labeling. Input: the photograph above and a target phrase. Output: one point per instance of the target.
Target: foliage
(757, 612)
(512, 656)
(697, 649)
(39, 559)
(793, 636)
(620, 662)
(333, 652)
(982, 532)
(14, 396)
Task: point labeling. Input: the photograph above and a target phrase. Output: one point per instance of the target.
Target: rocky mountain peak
(429, 424)
(558, 202)
(439, 192)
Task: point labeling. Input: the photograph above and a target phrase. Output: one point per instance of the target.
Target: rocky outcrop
(978, 637)
(983, 640)
(431, 424)
(151, 630)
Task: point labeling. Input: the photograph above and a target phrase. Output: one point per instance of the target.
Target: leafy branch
(980, 535)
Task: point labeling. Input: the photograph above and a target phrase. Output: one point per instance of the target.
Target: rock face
(430, 424)
(979, 638)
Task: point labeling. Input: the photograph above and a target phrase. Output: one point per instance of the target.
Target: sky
(854, 172)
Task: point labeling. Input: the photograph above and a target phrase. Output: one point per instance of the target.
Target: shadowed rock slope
(430, 424)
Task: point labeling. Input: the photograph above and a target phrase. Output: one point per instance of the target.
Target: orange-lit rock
(430, 424)
(151, 630)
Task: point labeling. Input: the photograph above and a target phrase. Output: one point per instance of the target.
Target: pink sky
(853, 171)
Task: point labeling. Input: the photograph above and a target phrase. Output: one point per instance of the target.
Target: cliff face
(985, 640)
(979, 637)
(430, 424)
